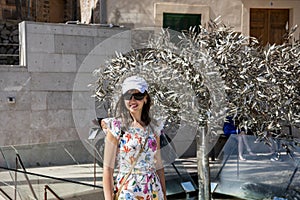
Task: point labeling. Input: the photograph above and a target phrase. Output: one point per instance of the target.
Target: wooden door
(269, 25)
(56, 11)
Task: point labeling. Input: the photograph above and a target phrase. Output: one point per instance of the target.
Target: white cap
(134, 82)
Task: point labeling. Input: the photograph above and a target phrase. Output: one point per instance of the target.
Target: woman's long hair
(123, 113)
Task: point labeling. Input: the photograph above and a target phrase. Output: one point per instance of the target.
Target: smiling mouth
(133, 106)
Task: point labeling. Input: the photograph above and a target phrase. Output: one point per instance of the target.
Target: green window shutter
(181, 22)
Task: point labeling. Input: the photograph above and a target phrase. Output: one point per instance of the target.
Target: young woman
(230, 128)
(133, 140)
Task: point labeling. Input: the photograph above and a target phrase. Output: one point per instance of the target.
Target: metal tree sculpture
(262, 84)
(174, 73)
(189, 79)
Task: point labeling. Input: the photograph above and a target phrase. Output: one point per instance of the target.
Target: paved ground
(257, 177)
(86, 175)
(256, 169)
(260, 176)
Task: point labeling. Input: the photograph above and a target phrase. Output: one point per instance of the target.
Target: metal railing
(47, 187)
(5, 194)
(19, 160)
(20, 168)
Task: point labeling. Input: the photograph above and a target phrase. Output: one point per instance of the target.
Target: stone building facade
(137, 14)
(54, 11)
(38, 97)
(51, 54)
(13, 12)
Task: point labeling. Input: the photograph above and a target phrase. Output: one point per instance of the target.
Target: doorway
(269, 25)
(56, 11)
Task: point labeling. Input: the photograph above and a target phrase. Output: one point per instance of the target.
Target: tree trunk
(203, 165)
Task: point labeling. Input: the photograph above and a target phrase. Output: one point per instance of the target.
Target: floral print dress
(143, 182)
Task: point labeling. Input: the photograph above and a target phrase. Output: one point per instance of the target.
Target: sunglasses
(137, 96)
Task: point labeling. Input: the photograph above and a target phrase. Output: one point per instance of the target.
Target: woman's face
(134, 101)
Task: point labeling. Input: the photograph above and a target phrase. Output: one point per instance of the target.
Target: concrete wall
(57, 61)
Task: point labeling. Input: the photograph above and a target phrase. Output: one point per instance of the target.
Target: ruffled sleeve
(114, 125)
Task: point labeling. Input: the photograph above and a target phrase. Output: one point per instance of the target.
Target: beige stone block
(42, 28)
(3, 101)
(59, 100)
(14, 81)
(15, 120)
(83, 118)
(82, 100)
(123, 37)
(93, 61)
(52, 81)
(60, 119)
(98, 40)
(22, 100)
(39, 120)
(12, 137)
(40, 43)
(15, 68)
(61, 81)
(38, 100)
(70, 44)
(82, 81)
(63, 134)
(110, 46)
(76, 30)
(41, 62)
(131, 17)
(79, 59)
(109, 32)
(41, 135)
(119, 45)
(232, 15)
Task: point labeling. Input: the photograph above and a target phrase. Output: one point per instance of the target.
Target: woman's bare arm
(110, 152)
(160, 168)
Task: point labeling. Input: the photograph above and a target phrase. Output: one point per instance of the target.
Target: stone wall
(40, 11)
(236, 13)
(40, 98)
(45, 102)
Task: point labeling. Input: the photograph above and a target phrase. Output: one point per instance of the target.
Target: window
(181, 22)
(56, 11)
(9, 14)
